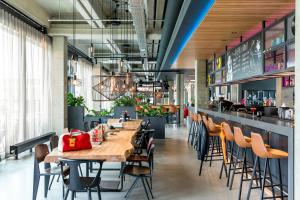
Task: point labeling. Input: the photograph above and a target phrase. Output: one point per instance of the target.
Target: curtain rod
(23, 17)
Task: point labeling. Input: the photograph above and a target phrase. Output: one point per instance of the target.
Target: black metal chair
(141, 172)
(41, 151)
(76, 183)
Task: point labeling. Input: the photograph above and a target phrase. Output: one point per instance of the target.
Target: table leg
(36, 181)
(87, 169)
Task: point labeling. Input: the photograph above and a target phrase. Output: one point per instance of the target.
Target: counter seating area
(250, 157)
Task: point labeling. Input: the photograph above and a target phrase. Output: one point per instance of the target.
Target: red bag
(73, 142)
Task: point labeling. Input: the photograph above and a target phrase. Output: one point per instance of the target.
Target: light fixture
(91, 48)
(91, 51)
(75, 81)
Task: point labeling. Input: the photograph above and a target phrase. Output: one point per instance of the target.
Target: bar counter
(278, 133)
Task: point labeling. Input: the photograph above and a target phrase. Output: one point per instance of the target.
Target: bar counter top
(272, 124)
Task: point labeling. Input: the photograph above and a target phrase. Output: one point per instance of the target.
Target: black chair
(41, 151)
(76, 183)
(141, 172)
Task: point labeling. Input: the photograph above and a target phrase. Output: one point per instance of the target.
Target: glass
(275, 35)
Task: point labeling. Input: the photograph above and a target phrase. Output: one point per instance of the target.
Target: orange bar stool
(261, 151)
(244, 144)
(230, 144)
(214, 132)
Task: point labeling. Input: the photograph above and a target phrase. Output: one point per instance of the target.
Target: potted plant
(157, 116)
(101, 116)
(76, 106)
(139, 98)
(124, 103)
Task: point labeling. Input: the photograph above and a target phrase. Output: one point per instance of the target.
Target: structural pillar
(296, 158)
(59, 81)
(201, 89)
(180, 94)
(171, 92)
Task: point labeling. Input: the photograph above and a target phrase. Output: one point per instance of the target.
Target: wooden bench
(29, 144)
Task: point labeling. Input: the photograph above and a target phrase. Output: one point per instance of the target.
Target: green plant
(75, 101)
(147, 110)
(124, 101)
(102, 113)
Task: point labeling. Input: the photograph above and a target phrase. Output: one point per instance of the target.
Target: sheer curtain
(84, 74)
(25, 95)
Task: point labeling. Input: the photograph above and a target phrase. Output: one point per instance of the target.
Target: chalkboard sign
(246, 60)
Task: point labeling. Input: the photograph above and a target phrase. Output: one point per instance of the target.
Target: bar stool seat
(276, 153)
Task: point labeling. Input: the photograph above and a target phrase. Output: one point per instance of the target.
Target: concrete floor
(175, 176)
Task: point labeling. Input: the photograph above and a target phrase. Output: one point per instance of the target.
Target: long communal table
(116, 148)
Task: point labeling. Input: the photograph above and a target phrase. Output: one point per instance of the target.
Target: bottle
(102, 133)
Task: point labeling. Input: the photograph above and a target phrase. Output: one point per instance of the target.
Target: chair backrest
(41, 151)
(86, 127)
(150, 142)
(211, 125)
(227, 130)
(239, 138)
(199, 118)
(54, 142)
(74, 183)
(204, 119)
(94, 124)
(258, 145)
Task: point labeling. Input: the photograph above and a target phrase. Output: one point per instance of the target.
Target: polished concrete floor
(175, 176)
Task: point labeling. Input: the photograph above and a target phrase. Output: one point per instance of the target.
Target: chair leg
(242, 175)
(149, 188)
(200, 169)
(271, 180)
(80, 170)
(145, 188)
(57, 180)
(280, 178)
(234, 167)
(212, 151)
(98, 192)
(132, 186)
(51, 182)
(67, 194)
(264, 180)
(255, 175)
(230, 162)
(73, 195)
(89, 194)
(251, 181)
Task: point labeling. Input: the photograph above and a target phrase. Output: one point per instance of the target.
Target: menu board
(246, 60)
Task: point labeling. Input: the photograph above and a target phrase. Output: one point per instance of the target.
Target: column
(201, 90)
(180, 94)
(297, 108)
(59, 83)
(171, 92)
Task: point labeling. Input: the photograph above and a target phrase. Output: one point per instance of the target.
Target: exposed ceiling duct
(136, 8)
(182, 31)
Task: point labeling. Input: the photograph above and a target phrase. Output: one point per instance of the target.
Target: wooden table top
(116, 148)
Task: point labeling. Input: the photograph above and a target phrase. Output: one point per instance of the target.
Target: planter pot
(158, 124)
(119, 111)
(76, 117)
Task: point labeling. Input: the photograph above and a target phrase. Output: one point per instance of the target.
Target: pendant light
(91, 48)
(74, 57)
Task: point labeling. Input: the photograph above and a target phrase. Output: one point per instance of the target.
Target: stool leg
(280, 178)
(259, 172)
(243, 170)
(212, 151)
(200, 170)
(271, 179)
(234, 167)
(251, 181)
(264, 180)
(230, 162)
(255, 175)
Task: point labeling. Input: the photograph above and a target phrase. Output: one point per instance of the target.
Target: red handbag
(78, 141)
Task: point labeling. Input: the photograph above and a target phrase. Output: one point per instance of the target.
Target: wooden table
(116, 148)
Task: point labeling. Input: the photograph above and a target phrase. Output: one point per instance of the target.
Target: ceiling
(225, 23)
(111, 40)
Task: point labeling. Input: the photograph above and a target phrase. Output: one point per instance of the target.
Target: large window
(25, 94)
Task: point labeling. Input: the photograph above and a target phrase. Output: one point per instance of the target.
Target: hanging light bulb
(91, 51)
(127, 80)
(75, 82)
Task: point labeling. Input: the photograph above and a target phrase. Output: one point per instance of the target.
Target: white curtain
(84, 88)
(25, 95)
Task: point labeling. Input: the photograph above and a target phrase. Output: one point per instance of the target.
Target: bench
(29, 144)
